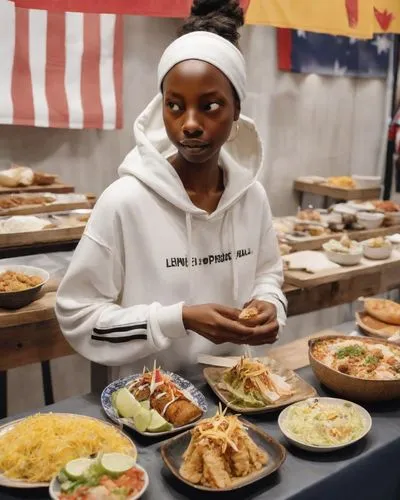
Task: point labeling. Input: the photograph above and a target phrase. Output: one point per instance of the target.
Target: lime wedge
(142, 419)
(158, 423)
(116, 463)
(126, 405)
(76, 468)
(145, 404)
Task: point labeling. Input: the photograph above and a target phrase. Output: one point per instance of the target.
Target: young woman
(184, 239)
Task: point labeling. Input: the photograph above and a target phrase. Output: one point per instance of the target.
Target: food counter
(367, 470)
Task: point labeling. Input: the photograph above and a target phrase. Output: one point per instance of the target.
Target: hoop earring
(234, 132)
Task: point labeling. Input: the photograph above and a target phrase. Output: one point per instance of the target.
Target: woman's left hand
(266, 326)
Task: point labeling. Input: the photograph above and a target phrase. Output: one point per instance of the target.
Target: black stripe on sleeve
(120, 340)
(120, 329)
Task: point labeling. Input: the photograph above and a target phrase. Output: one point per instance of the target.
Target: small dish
(367, 181)
(16, 300)
(374, 327)
(370, 220)
(282, 422)
(55, 486)
(302, 390)
(344, 259)
(184, 385)
(173, 449)
(377, 252)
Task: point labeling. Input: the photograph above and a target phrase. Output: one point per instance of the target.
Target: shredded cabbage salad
(321, 424)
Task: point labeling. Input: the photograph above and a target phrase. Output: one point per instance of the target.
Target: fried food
(342, 182)
(387, 311)
(11, 281)
(309, 215)
(14, 200)
(386, 205)
(221, 452)
(165, 397)
(43, 179)
(248, 313)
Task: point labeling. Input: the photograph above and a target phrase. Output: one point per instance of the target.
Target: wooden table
(336, 193)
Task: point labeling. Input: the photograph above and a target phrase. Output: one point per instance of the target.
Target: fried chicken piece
(258, 457)
(248, 313)
(214, 472)
(241, 460)
(178, 413)
(192, 467)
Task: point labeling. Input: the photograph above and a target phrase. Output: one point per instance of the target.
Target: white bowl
(324, 449)
(380, 253)
(344, 259)
(344, 209)
(370, 220)
(367, 181)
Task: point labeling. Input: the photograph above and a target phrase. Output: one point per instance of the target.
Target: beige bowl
(349, 387)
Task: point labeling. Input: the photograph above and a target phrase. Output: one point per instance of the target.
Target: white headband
(210, 48)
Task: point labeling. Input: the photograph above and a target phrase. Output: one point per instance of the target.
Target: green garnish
(371, 360)
(350, 351)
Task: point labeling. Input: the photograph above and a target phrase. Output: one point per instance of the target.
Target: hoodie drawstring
(189, 237)
(235, 277)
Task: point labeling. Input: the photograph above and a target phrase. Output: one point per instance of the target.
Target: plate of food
(324, 424)
(109, 475)
(255, 386)
(222, 453)
(357, 368)
(154, 403)
(20, 285)
(345, 252)
(34, 449)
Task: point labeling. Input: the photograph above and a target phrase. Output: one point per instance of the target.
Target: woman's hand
(265, 325)
(216, 323)
(221, 324)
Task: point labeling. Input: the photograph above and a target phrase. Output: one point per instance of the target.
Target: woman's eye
(173, 106)
(213, 106)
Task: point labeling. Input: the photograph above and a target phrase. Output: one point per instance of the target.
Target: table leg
(3, 394)
(47, 384)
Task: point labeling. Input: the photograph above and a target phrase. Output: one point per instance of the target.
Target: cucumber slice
(116, 463)
(145, 404)
(76, 468)
(142, 420)
(158, 423)
(126, 405)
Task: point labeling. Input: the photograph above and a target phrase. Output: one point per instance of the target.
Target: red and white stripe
(60, 69)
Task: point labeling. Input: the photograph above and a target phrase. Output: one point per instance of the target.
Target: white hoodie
(148, 249)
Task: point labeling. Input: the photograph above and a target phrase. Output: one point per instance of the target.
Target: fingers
(265, 334)
(228, 312)
(266, 314)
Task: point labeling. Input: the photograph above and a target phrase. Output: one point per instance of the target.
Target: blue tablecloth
(368, 470)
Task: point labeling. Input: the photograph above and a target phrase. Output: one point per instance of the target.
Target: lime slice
(158, 423)
(145, 404)
(126, 405)
(116, 463)
(142, 419)
(76, 468)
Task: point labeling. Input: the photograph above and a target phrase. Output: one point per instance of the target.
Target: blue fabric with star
(339, 55)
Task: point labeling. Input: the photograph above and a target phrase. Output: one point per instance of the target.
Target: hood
(241, 160)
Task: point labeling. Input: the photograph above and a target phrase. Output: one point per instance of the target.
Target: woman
(184, 239)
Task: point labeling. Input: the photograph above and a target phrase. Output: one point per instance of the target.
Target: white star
(353, 41)
(382, 44)
(301, 34)
(338, 70)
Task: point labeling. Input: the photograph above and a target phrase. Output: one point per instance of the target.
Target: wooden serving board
(42, 309)
(303, 279)
(336, 192)
(56, 235)
(42, 209)
(51, 188)
(316, 242)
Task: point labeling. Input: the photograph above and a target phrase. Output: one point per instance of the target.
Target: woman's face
(199, 109)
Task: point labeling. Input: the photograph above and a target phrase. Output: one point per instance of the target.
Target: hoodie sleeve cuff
(170, 321)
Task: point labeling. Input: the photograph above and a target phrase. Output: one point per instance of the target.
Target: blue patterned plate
(184, 385)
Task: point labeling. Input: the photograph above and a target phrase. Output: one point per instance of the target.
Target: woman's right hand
(216, 323)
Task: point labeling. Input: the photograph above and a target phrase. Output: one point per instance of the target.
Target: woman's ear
(237, 110)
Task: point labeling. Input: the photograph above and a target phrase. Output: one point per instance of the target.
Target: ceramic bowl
(370, 220)
(367, 181)
(16, 300)
(375, 253)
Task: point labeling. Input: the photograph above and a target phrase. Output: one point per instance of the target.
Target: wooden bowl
(347, 386)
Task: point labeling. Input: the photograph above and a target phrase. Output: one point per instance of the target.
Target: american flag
(60, 69)
(305, 52)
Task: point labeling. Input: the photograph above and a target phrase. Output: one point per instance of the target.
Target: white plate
(55, 486)
(329, 402)
(12, 483)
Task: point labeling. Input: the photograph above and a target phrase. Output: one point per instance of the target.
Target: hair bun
(222, 17)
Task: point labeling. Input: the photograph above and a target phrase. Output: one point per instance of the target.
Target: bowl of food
(377, 248)
(367, 181)
(345, 252)
(359, 369)
(370, 220)
(20, 285)
(324, 424)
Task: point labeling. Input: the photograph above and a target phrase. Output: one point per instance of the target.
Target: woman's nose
(191, 126)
